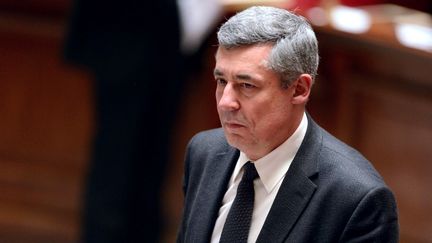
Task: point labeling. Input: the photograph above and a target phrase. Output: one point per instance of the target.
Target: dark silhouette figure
(132, 49)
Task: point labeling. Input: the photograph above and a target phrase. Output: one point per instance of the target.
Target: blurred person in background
(138, 53)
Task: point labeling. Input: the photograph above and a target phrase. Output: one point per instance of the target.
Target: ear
(302, 89)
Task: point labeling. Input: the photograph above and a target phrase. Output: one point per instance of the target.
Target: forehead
(258, 53)
(250, 60)
(245, 63)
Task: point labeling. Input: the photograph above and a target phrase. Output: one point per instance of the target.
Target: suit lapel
(296, 190)
(211, 193)
(293, 196)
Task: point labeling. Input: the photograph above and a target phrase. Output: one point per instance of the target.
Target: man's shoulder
(212, 135)
(344, 162)
(208, 138)
(205, 148)
(209, 141)
(349, 164)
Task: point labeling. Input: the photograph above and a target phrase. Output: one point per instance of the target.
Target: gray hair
(295, 49)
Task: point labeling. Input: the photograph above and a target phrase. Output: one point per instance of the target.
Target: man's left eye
(248, 86)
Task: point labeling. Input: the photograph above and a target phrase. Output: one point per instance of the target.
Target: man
(311, 187)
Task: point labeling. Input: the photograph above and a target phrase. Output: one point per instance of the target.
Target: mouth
(233, 125)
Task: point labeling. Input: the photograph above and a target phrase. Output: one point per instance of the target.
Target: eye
(248, 86)
(221, 81)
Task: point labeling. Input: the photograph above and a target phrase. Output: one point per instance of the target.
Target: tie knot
(250, 172)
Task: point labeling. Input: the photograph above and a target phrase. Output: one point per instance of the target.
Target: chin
(239, 142)
(234, 140)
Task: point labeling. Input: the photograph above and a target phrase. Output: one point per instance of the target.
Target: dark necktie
(237, 224)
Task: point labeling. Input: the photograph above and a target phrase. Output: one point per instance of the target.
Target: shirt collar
(273, 166)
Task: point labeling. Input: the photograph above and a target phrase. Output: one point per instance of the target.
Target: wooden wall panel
(396, 134)
(45, 126)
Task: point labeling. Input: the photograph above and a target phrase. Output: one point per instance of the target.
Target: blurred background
(374, 92)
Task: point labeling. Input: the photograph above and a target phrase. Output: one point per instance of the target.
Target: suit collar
(306, 157)
(296, 189)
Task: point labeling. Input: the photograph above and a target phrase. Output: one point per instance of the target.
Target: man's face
(256, 113)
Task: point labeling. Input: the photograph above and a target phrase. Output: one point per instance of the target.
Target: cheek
(217, 95)
(271, 118)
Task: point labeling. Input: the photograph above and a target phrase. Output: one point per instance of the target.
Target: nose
(227, 100)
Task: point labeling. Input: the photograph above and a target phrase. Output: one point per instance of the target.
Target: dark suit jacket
(331, 193)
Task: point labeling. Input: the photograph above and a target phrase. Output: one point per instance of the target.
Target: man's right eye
(221, 81)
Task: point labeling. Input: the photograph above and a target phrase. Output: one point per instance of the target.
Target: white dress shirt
(271, 170)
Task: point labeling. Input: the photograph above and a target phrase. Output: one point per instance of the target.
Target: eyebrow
(219, 73)
(244, 77)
